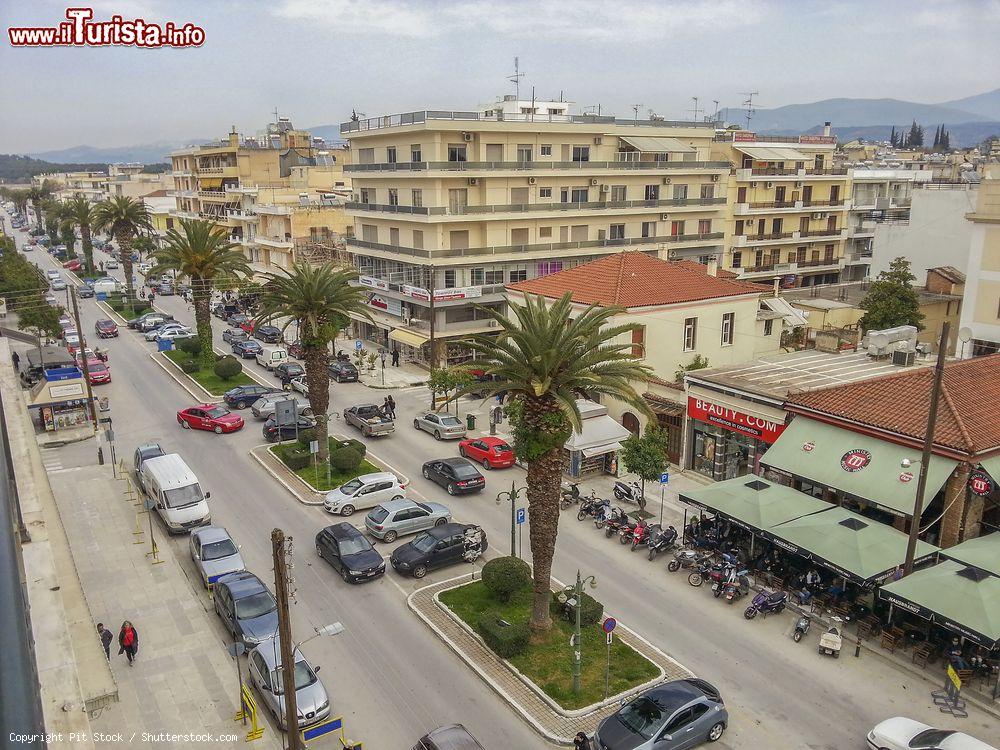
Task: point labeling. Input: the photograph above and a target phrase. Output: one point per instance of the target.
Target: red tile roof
(899, 403)
(634, 279)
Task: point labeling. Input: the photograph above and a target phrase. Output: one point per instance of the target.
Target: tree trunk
(88, 248)
(125, 254)
(544, 475)
(201, 292)
(318, 382)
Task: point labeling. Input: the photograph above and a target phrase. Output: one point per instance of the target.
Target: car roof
(270, 651)
(243, 583)
(212, 533)
(394, 505)
(147, 447)
(492, 441)
(449, 529)
(452, 461)
(379, 476)
(343, 531)
(453, 737)
(673, 695)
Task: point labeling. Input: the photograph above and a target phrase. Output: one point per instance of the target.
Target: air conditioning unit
(664, 217)
(598, 141)
(492, 323)
(769, 185)
(903, 357)
(473, 180)
(532, 180)
(406, 320)
(605, 188)
(594, 181)
(753, 184)
(666, 180)
(816, 215)
(467, 137)
(798, 184)
(715, 178)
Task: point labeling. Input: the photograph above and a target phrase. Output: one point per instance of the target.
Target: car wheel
(451, 488)
(366, 431)
(398, 497)
(218, 430)
(437, 435)
(347, 510)
(427, 474)
(420, 571)
(184, 424)
(390, 537)
(241, 404)
(343, 574)
(441, 522)
(715, 733)
(486, 464)
(319, 551)
(416, 425)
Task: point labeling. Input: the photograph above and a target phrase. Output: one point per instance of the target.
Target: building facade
(981, 312)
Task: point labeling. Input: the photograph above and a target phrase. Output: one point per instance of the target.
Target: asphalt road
(392, 679)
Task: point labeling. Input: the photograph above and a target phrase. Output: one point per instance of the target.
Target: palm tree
(20, 198)
(320, 300)
(201, 252)
(67, 231)
(51, 215)
(124, 218)
(144, 245)
(544, 359)
(80, 211)
(37, 194)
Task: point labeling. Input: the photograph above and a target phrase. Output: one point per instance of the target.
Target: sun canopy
(408, 337)
(983, 552)
(991, 466)
(650, 145)
(58, 393)
(754, 503)
(600, 433)
(963, 599)
(772, 153)
(863, 466)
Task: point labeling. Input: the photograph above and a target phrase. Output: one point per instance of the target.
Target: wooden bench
(892, 639)
(921, 653)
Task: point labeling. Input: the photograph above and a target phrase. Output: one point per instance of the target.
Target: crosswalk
(51, 461)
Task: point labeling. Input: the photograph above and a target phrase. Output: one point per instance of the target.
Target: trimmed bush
(228, 367)
(345, 460)
(356, 445)
(190, 366)
(189, 345)
(507, 640)
(591, 613)
(307, 436)
(296, 459)
(504, 576)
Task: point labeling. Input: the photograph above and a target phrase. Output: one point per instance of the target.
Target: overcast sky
(315, 60)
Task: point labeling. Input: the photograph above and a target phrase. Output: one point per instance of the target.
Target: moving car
(448, 737)
(672, 716)
(288, 370)
(247, 349)
(237, 319)
(900, 733)
(271, 356)
(232, 335)
(342, 372)
(263, 407)
(214, 553)
(488, 452)
(73, 264)
(154, 333)
(299, 385)
(85, 291)
(170, 333)
(153, 321)
(440, 425)
(312, 702)
(98, 372)
(388, 520)
(364, 491)
(268, 334)
(242, 396)
(111, 263)
(369, 419)
(349, 553)
(211, 417)
(443, 545)
(58, 285)
(165, 289)
(273, 432)
(246, 607)
(106, 329)
(143, 453)
(456, 475)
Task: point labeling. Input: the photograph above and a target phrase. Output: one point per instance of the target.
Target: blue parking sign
(521, 515)
(664, 477)
(358, 345)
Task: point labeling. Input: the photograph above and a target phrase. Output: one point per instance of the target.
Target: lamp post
(578, 605)
(381, 355)
(512, 496)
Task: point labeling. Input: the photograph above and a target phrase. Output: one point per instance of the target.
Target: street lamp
(381, 355)
(577, 603)
(334, 628)
(512, 496)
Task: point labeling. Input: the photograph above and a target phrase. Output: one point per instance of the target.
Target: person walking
(16, 359)
(390, 407)
(128, 642)
(106, 637)
(101, 264)
(580, 742)
(395, 357)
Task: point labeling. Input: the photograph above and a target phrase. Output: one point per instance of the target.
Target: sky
(317, 60)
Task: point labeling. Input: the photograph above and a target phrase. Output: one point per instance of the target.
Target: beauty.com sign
(763, 429)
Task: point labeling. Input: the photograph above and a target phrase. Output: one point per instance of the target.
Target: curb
(163, 366)
(274, 474)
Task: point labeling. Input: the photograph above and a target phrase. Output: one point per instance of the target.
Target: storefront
(60, 401)
(594, 449)
(727, 439)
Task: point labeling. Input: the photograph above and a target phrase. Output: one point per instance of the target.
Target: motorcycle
(643, 536)
(570, 495)
(766, 603)
(684, 558)
(707, 569)
(590, 506)
(617, 520)
(631, 493)
(639, 531)
(736, 586)
(801, 628)
(664, 541)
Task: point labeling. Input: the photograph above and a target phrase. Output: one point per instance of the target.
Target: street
(393, 680)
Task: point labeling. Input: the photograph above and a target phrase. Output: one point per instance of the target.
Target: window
(727, 328)
(367, 195)
(390, 154)
(519, 236)
(449, 278)
(416, 198)
(776, 226)
(580, 195)
(649, 229)
(519, 195)
(707, 191)
(415, 152)
(617, 231)
(768, 327)
(545, 232)
(639, 341)
(546, 149)
(393, 197)
(518, 275)
(579, 233)
(366, 156)
(618, 192)
(800, 255)
(170, 223)
(828, 253)
(680, 192)
(524, 152)
(704, 226)
(544, 192)
(494, 152)
(652, 193)
(545, 267)
(459, 239)
(676, 228)
(456, 152)
(478, 275)
(369, 233)
(458, 199)
(737, 260)
(418, 239)
(791, 256)
(494, 276)
(690, 333)
(394, 236)
(581, 153)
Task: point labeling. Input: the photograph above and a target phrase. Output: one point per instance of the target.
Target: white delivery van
(105, 285)
(174, 489)
(272, 355)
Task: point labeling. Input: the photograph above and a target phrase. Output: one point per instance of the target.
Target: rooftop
(951, 273)
(634, 279)
(899, 403)
(851, 294)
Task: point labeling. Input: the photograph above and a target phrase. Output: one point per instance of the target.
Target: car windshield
(465, 470)
(218, 550)
(642, 716)
(182, 497)
(379, 514)
(502, 448)
(304, 677)
(255, 605)
(353, 546)
(216, 413)
(424, 543)
(931, 737)
(351, 487)
(450, 421)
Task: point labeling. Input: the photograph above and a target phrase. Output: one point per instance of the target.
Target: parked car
(342, 372)
(85, 291)
(369, 419)
(246, 607)
(232, 335)
(214, 553)
(53, 274)
(211, 417)
(111, 263)
(247, 349)
(900, 733)
(242, 396)
(106, 329)
(58, 285)
(271, 356)
(73, 264)
(98, 372)
(312, 702)
(268, 334)
(299, 385)
(150, 320)
(143, 453)
(388, 520)
(364, 491)
(349, 553)
(154, 333)
(443, 545)
(171, 333)
(456, 475)
(166, 289)
(295, 350)
(441, 426)
(263, 407)
(236, 320)
(448, 737)
(488, 452)
(288, 370)
(671, 716)
(273, 432)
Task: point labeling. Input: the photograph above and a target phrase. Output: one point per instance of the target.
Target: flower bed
(207, 379)
(315, 475)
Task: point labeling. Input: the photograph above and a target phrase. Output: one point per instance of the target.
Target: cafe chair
(921, 653)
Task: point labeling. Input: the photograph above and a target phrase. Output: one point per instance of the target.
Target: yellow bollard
(248, 710)
(138, 528)
(154, 551)
(122, 474)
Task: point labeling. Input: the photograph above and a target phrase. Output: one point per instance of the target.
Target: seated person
(954, 654)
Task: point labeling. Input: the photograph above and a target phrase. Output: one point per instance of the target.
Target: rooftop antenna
(696, 110)
(748, 103)
(516, 79)
(275, 115)
(635, 109)
(592, 109)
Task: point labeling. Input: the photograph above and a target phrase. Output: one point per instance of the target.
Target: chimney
(826, 128)
(234, 137)
(713, 266)
(777, 285)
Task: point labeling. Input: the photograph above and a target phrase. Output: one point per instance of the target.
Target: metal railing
(822, 232)
(528, 166)
(817, 263)
(772, 204)
(529, 207)
(768, 236)
(813, 204)
(416, 118)
(772, 172)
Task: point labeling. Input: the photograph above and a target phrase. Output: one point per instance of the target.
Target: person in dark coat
(16, 359)
(128, 641)
(106, 637)
(395, 357)
(390, 406)
(580, 742)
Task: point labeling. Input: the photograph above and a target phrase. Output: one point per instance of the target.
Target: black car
(246, 607)
(435, 548)
(237, 319)
(219, 310)
(85, 291)
(342, 372)
(232, 335)
(242, 396)
(268, 334)
(166, 289)
(288, 370)
(349, 553)
(247, 349)
(274, 432)
(457, 475)
(143, 453)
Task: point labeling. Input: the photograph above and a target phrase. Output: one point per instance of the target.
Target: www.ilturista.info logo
(81, 31)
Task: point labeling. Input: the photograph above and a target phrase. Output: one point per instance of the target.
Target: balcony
(273, 209)
(863, 258)
(181, 173)
(227, 171)
(814, 233)
(178, 214)
(749, 240)
(781, 174)
(517, 208)
(217, 218)
(372, 170)
(182, 193)
(242, 189)
(215, 195)
(277, 242)
(782, 269)
(239, 214)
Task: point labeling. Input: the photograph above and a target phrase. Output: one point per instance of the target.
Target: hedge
(296, 459)
(228, 367)
(189, 344)
(345, 460)
(504, 576)
(190, 366)
(356, 445)
(507, 640)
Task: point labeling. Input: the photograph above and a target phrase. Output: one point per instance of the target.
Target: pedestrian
(580, 742)
(16, 358)
(390, 405)
(128, 641)
(395, 356)
(101, 264)
(152, 296)
(106, 637)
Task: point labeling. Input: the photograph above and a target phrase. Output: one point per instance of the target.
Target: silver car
(311, 698)
(299, 385)
(214, 553)
(393, 518)
(441, 426)
(263, 408)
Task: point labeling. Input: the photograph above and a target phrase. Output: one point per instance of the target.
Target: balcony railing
(215, 194)
(530, 207)
(529, 166)
(822, 232)
(813, 204)
(772, 204)
(817, 263)
(416, 118)
(833, 171)
(770, 236)
(772, 172)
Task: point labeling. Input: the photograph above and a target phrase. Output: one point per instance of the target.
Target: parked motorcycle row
(615, 519)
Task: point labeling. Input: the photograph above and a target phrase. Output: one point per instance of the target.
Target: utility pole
(279, 550)
(918, 503)
(83, 362)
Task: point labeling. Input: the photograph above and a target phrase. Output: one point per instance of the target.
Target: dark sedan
(247, 349)
(343, 372)
(288, 370)
(237, 319)
(85, 291)
(456, 475)
(106, 329)
(273, 432)
(349, 553)
(242, 396)
(268, 334)
(435, 548)
(232, 335)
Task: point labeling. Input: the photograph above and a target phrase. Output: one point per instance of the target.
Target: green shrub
(505, 639)
(190, 366)
(296, 459)
(228, 367)
(504, 576)
(591, 613)
(345, 460)
(307, 436)
(356, 445)
(190, 345)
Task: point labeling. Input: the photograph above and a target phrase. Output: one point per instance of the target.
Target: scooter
(766, 603)
(832, 640)
(570, 494)
(636, 535)
(631, 493)
(707, 569)
(737, 585)
(801, 628)
(616, 522)
(644, 535)
(628, 530)
(590, 506)
(664, 541)
(686, 559)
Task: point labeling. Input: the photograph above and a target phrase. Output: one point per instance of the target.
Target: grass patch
(136, 309)
(207, 379)
(315, 476)
(549, 662)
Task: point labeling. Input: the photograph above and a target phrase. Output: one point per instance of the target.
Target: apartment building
(132, 181)
(980, 334)
(449, 207)
(93, 185)
(788, 207)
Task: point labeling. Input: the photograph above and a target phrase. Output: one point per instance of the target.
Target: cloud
(621, 22)
(957, 15)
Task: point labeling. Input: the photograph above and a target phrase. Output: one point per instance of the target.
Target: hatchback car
(106, 329)
(342, 372)
(73, 264)
(448, 737)
(111, 263)
(349, 553)
(172, 333)
(673, 716)
(232, 335)
(214, 553)
(85, 291)
(365, 491)
(246, 607)
(58, 285)
(443, 545)
(264, 407)
(236, 320)
(210, 417)
(154, 333)
(288, 370)
(98, 372)
(166, 289)
(390, 519)
(247, 349)
(488, 452)
(268, 334)
(312, 702)
(274, 432)
(900, 733)
(456, 475)
(143, 453)
(242, 396)
(441, 426)
(153, 321)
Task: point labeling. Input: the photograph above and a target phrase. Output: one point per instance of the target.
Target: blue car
(246, 608)
(247, 349)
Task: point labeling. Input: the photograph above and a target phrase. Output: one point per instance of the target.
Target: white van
(270, 356)
(105, 285)
(174, 489)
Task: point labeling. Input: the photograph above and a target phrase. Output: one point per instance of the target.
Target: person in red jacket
(128, 641)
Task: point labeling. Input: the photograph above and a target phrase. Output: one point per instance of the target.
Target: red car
(73, 265)
(106, 329)
(212, 417)
(98, 372)
(491, 452)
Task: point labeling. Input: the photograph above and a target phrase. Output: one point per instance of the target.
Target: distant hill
(987, 104)
(20, 169)
(962, 135)
(146, 153)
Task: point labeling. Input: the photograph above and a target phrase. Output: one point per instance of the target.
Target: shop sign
(763, 429)
(464, 292)
(744, 136)
(855, 460)
(906, 476)
(980, 484)
(386, 304)
(818, 139)
(62, 391)
(416, 292)
(374, 283)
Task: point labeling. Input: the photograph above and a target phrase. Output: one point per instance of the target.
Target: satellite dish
(879, 340)
(965, 334)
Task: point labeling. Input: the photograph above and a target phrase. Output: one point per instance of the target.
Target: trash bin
(470, 421)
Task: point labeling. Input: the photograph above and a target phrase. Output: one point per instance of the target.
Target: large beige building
(981, 310)
(449, 207)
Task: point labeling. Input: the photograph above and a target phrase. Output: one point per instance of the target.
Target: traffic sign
(611, 637)
(664, 477)
(358, 345)
(520, 515)
(609, 625)
(314, 446)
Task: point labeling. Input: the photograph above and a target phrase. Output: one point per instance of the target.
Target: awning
(789, 314)
(209, 183)
(773, 153)
(650, 145)
(659, 405)
(600, 433)
(754, 503)
(866, 467)
(963, 599)
(408, 337)
(70, 392)
(601, 450)
(858, 548)
(983, 552)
